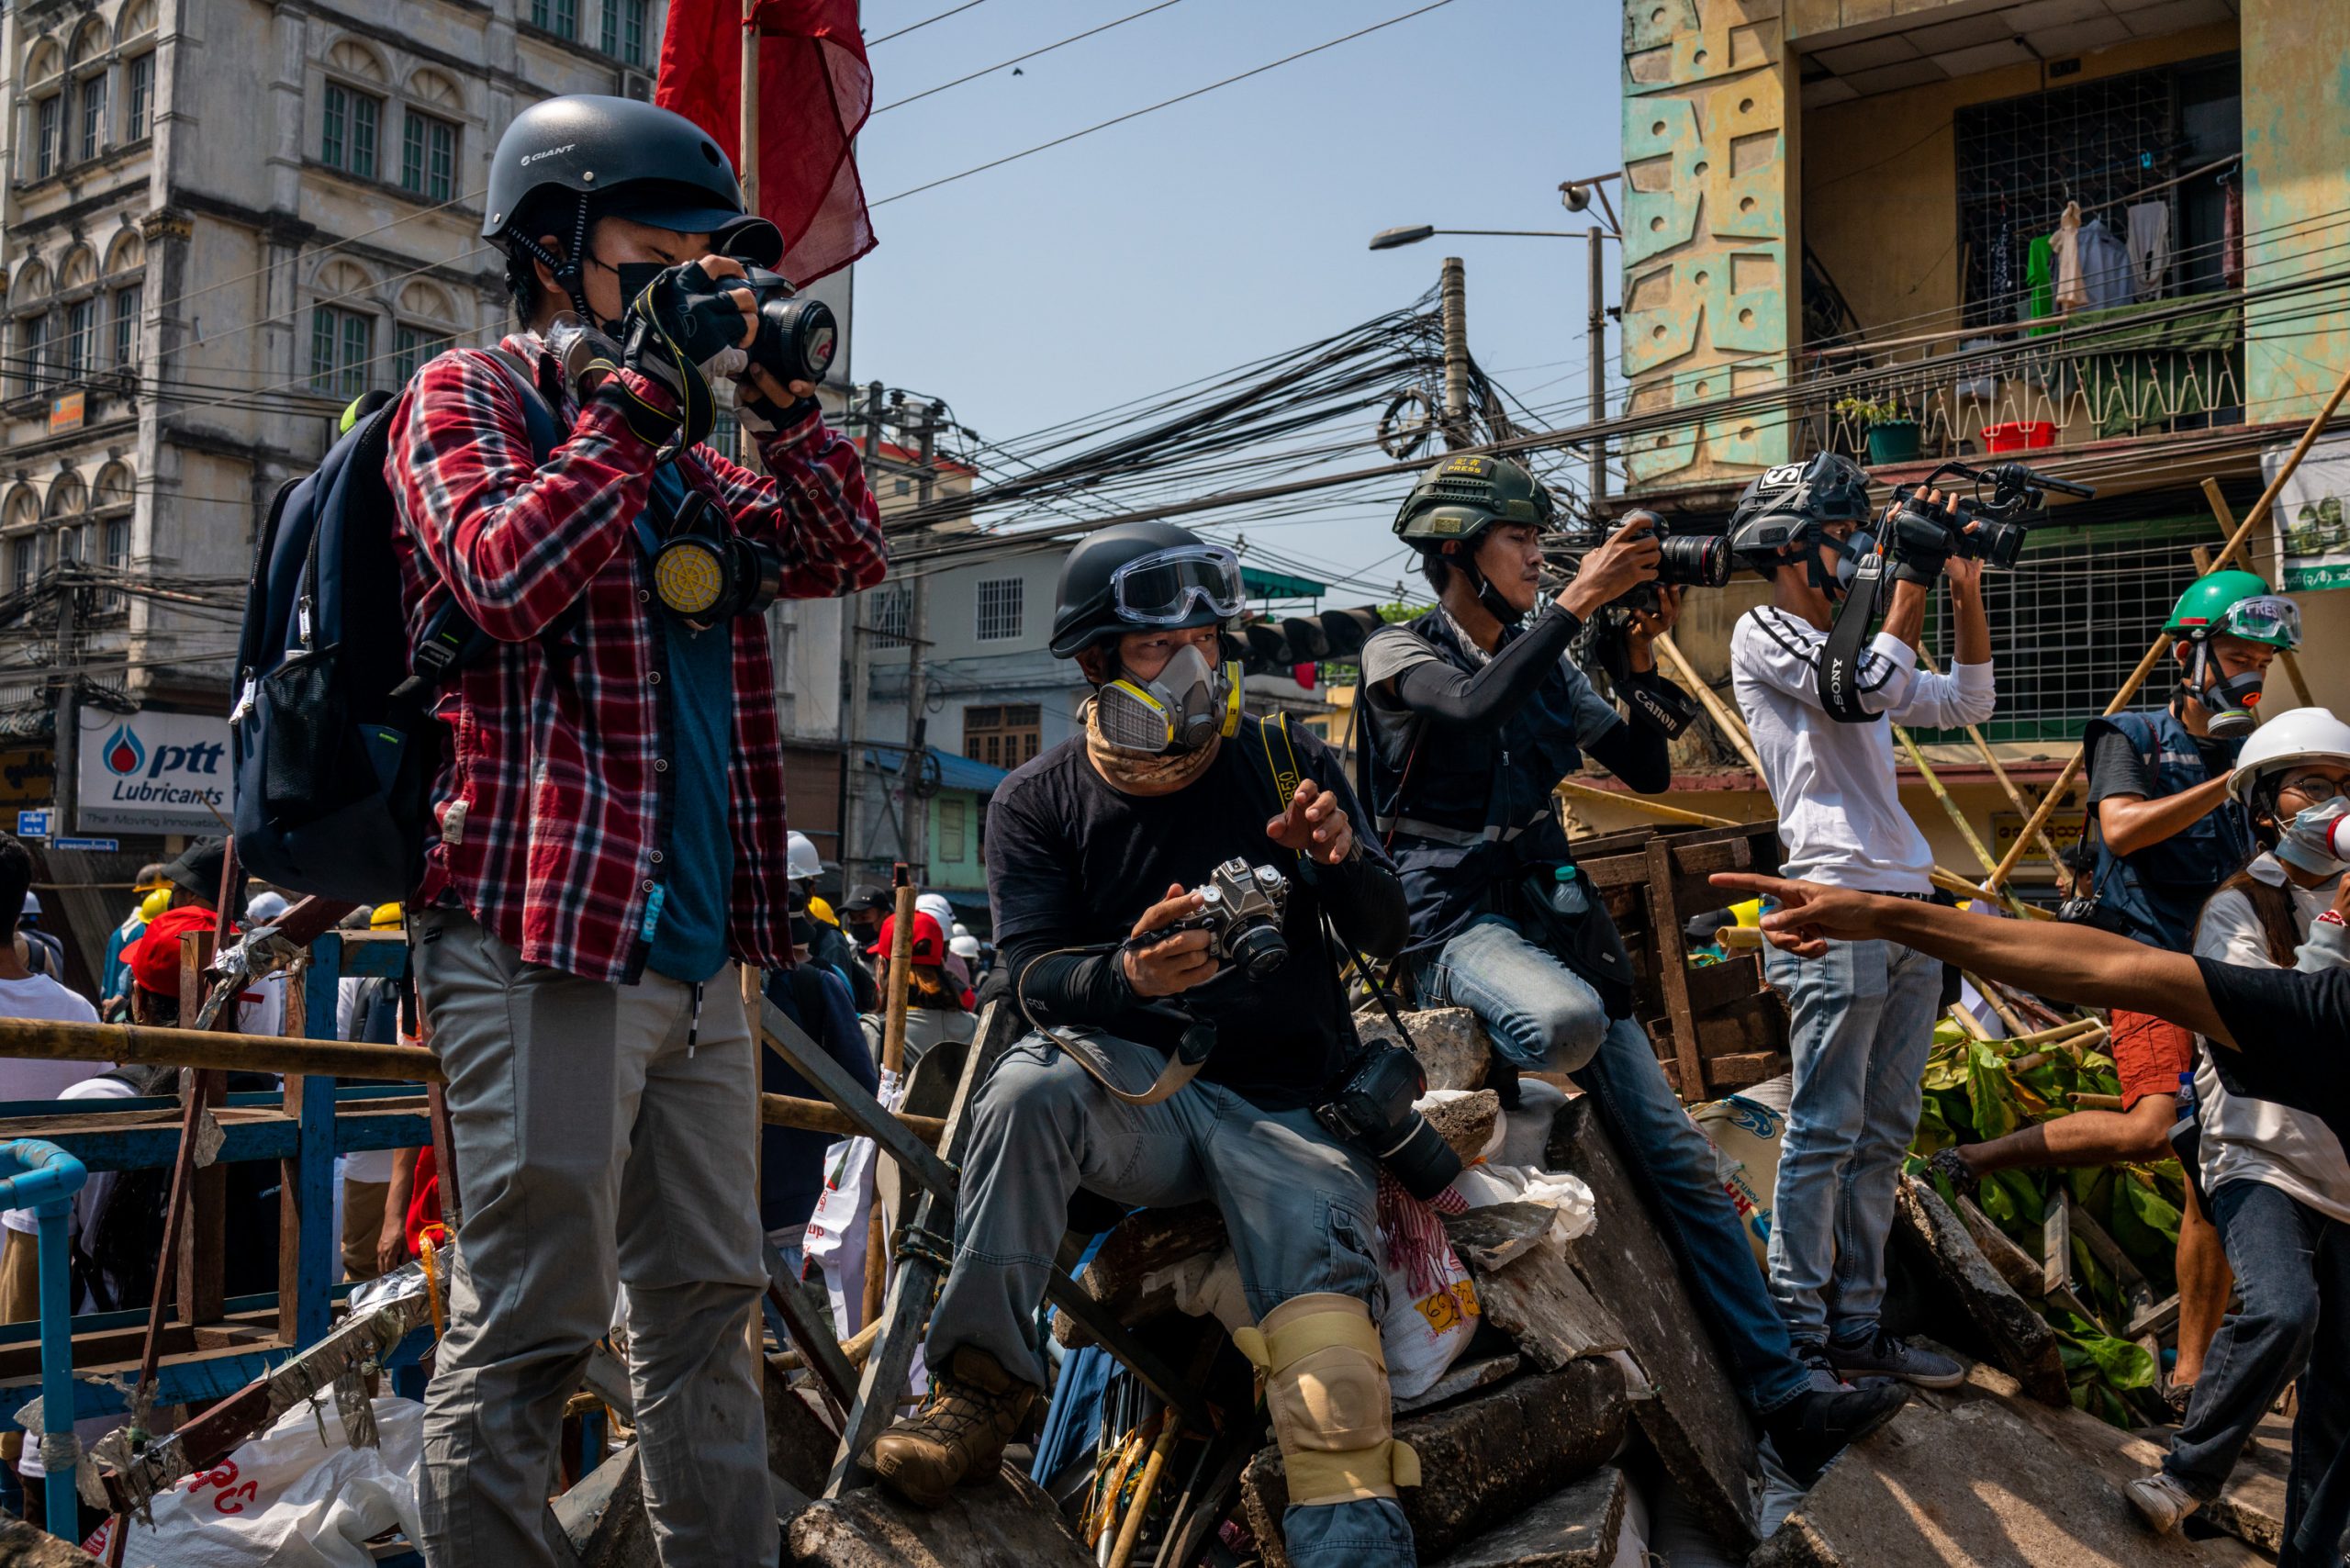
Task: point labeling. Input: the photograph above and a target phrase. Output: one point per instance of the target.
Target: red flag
(815, 90)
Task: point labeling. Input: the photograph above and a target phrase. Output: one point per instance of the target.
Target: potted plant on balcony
(1890, 428)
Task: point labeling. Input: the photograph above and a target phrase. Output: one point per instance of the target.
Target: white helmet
(800, 861)
(963, 946)
(935, 906)
(2288, 740)
(32, 902)
(960, 929)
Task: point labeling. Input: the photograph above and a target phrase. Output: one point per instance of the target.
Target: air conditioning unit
(637, 84)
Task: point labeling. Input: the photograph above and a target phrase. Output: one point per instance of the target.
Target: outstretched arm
(2080, 963)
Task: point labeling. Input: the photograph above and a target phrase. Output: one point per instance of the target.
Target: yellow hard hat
(385, 918)
(823, 911)
(155, 903)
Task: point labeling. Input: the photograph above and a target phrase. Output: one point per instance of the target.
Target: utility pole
(1456, 353)
(1598, 372)
(859, 675)
(917, 835)
(68, 749)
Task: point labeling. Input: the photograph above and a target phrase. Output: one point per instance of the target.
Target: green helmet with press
(2238, 605)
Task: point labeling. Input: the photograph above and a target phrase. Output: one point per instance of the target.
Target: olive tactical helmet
(1461, 498)
(614, 157)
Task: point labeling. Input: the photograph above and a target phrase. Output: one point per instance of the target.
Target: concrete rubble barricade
(1007, 1524)
(23, 1546)
(1484, 1461)
(1449, 1041)
(1577, 1527)
(2252, 1506)
(1696, 1422)
(1144, 1244)
(1466, 1122)
(1931, 1237)
(603, 1516)
(1980, 1477)
(1525, 1287)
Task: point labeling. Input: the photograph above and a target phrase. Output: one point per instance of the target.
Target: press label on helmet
(1445, 525)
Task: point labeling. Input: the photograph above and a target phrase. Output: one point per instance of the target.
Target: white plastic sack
(1432, 1308)
(289, 1499)
(841, 1226)
(1574, 1209)
(1745, 1129)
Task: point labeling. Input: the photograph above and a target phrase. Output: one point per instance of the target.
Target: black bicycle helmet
(1085, 609)
(615, 157)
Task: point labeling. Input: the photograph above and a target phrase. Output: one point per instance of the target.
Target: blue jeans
(1539, 1012)
(2293, 1266)
(1863, 1025)
(1301, 1209)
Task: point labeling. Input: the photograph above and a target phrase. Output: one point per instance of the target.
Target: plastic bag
(290, 1497)
(1745, 1130)
(1431, 1303)
(841, 1226)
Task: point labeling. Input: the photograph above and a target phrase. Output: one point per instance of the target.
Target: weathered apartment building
(1838, 233)
(223, 219)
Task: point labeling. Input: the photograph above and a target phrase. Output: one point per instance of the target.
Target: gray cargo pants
(593, 1147)
(1301, 1209)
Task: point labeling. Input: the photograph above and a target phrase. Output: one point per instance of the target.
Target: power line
(1031, 54)
(917, 27)
(1153, 108)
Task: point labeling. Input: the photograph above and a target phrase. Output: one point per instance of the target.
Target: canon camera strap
(1840, 659)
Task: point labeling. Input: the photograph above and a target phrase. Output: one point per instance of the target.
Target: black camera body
(798, 336)
(2000, 520)
(1687, 560)
(1371, 1109)
(1241, 908)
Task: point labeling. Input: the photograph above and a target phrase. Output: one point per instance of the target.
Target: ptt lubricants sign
(151, 772)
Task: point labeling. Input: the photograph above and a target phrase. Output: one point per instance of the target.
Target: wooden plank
(787, 1040)
(2010, 1262)
(1672, 971)
(2056, 1250)
(821, 1117)
(1702, 855)
(1724, 1073)
(1759, 1024)
(1716, 986)
(42, 1040)
(2158, 1318)
(200, 1244)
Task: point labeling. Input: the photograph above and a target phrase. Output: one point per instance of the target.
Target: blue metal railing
(44, 1178)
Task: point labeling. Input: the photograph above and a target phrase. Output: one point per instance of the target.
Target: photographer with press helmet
(2166, 834)
(611, 840)
(1475, 713)
(1163, 887)
(1864, 1021)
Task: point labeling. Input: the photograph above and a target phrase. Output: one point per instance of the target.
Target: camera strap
(1183, 1064)
(1840, 659)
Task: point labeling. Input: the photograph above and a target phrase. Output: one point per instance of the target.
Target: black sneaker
(1814, 1427)
(1887, 1355)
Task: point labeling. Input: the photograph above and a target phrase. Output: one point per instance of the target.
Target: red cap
(154, 959)
(930, 943)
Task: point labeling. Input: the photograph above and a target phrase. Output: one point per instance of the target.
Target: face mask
(635, 278)
(2229, 700)
(1183, 708)
(2309, 842)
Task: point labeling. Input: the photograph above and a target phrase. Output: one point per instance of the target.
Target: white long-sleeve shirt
(1838, 800)
(2259, 1140)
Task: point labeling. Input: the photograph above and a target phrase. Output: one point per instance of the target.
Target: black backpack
(335, 747)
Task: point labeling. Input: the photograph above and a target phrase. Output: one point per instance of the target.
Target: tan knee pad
(1326, 1382)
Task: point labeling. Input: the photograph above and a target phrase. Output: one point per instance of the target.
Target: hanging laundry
(2232, 236)
(2039, 279)
(2107, 280)
(2149, 227)
(2071, 291)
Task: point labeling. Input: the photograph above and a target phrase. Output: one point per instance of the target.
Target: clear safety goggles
(2265, 618)
(1163, 587)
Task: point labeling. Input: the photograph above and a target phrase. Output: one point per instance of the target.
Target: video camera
(1999, 521)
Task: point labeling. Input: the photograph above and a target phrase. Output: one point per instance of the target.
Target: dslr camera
(1696, 560)
(798, 336)
(1241, 908)
(1372, 1109)
(2018, 496)
(1690, 560)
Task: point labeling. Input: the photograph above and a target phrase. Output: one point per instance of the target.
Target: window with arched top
(44, 131)
(351, 112)
(126, 290)
(87, 64)
(79, 270)
(111, 500)
(32, 358)
(66, 521)
(135, 36)
(20, 539)
(342, 331)
(137, 21)
(427, 324)
(80, 320)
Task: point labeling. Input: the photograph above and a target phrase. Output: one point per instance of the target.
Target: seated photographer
(1090, 848)
(1862, 1022)
(2279, 1034)
(2165, 836)
(1474, 714)
(613, 840)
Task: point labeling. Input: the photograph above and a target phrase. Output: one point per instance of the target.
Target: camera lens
(1999, 542)
(1259, 949)
(1694, 561)
(798, 338)
(1421, 1160)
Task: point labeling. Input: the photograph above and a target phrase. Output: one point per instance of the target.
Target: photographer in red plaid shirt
(612, 839)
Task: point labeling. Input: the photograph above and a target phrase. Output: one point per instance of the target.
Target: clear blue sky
(1230, 226)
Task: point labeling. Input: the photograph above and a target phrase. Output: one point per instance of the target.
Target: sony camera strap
(1840, 659)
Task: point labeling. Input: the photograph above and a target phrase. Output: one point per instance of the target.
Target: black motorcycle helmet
(1085, 612)
(1782, 516)
(566, 161)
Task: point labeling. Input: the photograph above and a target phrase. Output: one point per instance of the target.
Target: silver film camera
(1241, 908)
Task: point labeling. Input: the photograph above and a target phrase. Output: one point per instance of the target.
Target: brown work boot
(974, 1408)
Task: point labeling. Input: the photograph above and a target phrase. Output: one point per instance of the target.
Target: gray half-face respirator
(1183, 708)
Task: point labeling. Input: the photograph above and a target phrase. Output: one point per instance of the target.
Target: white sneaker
(2161, 1501)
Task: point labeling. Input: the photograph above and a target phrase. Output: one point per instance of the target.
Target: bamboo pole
(42, 1039)
(1950, 807)
(894, 1064)
(1171, 1427)
(2154, 654)
(1641, 803)
(2241, 557)
(2015, 1026)
(1730, 723)
(1998, 769)
(823, 1117)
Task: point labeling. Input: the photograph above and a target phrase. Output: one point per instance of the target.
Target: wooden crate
(1716, 1028)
